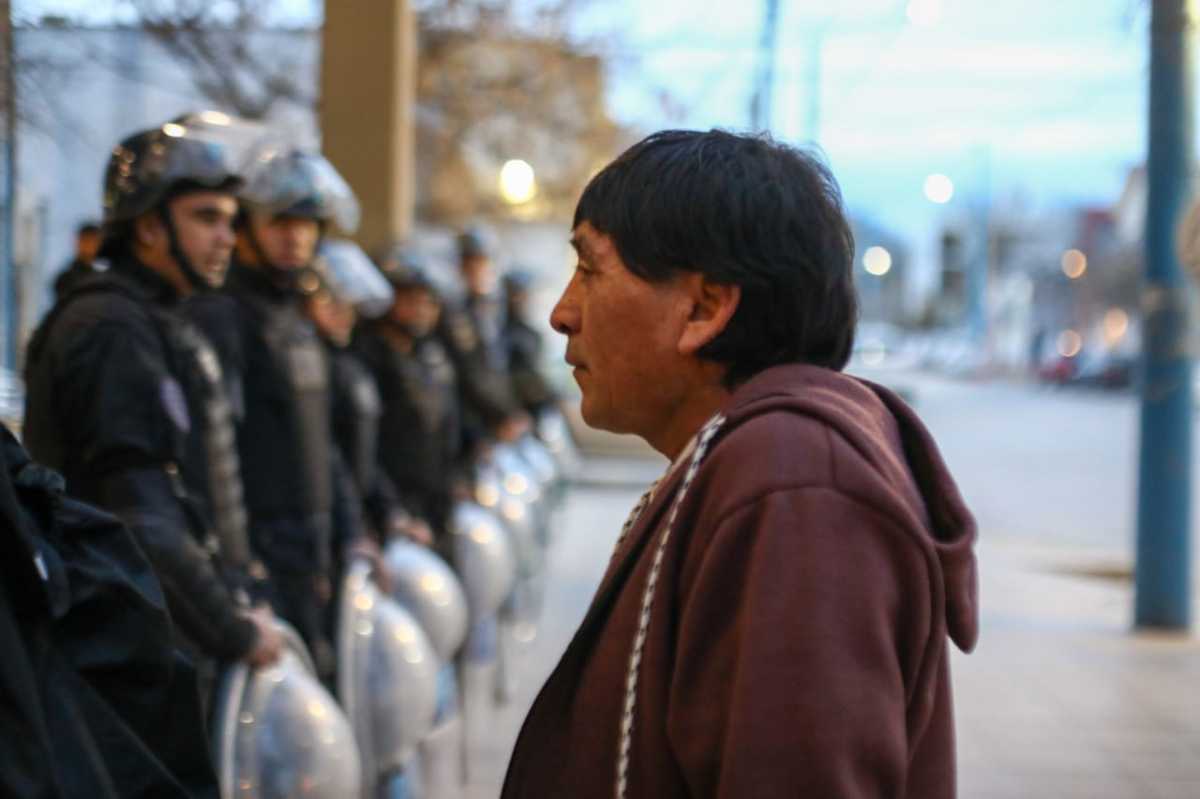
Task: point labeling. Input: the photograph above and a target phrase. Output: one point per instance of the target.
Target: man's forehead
(202, 200)
(588, 241)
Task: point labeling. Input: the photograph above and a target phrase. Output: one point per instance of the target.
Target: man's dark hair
(87, 229)
(746, 211)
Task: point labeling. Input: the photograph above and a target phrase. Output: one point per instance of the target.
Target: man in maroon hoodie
(774, 620)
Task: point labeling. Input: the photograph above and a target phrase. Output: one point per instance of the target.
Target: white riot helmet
(387, 676)
(351, 276)
(427, 586)
(278, 733)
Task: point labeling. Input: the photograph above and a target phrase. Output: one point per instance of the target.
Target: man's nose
(564, 318)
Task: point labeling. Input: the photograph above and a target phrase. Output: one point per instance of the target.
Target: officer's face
(622, 338)
(333, 318)
(416, 311)
(86, 246)
(204, 226)
(478, 274)
(288, 242)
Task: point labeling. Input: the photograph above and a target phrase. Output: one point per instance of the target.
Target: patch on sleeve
(174, 403)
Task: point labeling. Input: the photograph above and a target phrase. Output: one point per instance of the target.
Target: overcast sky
(1037, 101)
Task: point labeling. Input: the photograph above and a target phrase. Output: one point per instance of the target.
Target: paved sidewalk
(1059, 700)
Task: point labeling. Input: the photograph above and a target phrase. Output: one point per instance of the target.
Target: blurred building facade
(98, 85)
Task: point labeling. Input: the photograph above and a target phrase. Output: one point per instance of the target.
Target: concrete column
(368, 95)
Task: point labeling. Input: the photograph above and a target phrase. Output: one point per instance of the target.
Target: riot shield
(278, 734)
(427, 586)
(387, 678)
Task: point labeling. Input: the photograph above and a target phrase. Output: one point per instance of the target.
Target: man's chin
(596, 419)
(214, 278)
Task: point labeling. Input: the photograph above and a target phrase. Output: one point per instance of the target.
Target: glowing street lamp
(1116, 325)
(517, 182)
(877, 261)
(1070, 343)
(939, 188)
(1074, 264)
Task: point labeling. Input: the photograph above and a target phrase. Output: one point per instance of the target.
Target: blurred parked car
(1105, 370)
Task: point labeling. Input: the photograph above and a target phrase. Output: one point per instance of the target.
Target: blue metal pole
(8, 223)
(1164, 474)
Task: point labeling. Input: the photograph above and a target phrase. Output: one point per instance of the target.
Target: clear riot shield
(427, 586)
(279, 734)
(387, 681)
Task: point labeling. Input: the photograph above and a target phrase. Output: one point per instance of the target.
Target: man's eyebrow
(581, 247)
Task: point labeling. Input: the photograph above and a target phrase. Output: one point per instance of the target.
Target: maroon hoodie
(794, 642)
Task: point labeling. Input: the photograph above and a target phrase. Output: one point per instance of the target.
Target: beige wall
(368, 91)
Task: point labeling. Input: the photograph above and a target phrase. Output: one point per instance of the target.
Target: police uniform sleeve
(123, 410)
(347, 509)
(382, 504)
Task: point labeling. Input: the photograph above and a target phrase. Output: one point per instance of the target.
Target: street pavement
(1061, 698)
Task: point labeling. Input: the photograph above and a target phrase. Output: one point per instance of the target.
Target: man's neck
(696, 409)
(168, 271)
(396, 338)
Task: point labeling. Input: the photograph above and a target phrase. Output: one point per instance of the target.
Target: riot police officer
(420, 434)
(524, 344)
(472, 333)
(126, 398)
(290, 198)
(345, 287)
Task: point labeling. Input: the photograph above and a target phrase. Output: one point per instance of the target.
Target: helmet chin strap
(194, 278)
(406, 328)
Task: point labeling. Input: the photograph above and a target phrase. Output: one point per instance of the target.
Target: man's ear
(147, 229)
(712, 306)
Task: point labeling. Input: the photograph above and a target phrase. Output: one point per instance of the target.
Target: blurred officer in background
(290, 199)
(87, 245)
(472, 333)
(524, 344)
(420, 432)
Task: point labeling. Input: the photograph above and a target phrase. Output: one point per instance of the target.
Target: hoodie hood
(905, 467)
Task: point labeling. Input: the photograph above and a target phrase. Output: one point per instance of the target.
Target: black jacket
(420, 442)
(524, 365)
(71, 276)
(284, 437)
(108, 407)
(357, 411)
(472, 335)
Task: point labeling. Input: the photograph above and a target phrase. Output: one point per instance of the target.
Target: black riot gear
(123, 401)
(420, 436)
(284, 435)
(524, 345)
(472, 335)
